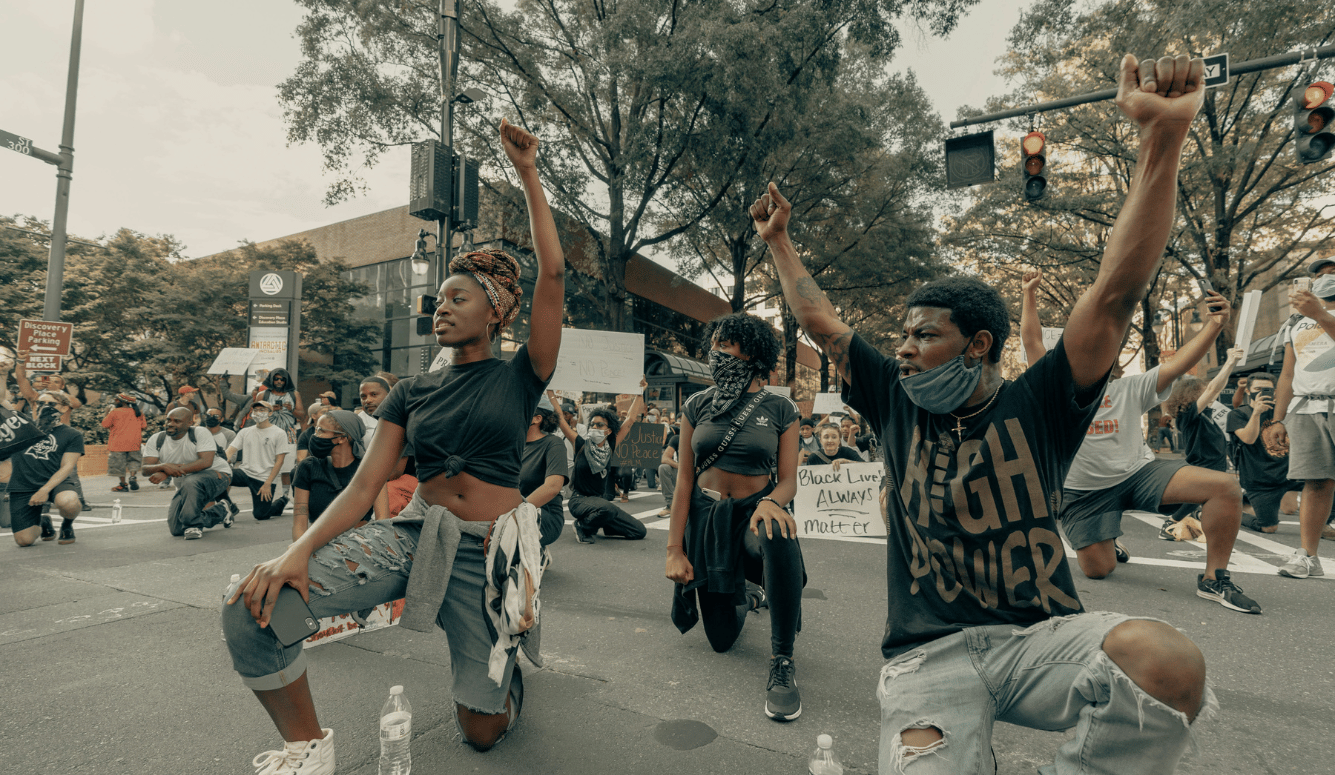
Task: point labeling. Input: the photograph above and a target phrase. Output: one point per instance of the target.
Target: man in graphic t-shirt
(983, 619)
(43, 474)
(190, 455)
(1304, 408)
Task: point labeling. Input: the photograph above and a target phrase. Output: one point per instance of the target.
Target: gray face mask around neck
(944, 388)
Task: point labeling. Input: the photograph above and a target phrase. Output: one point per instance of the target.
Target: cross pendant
(959, 429)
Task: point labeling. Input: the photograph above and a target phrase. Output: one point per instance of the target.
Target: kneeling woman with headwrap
(464, 554)
(335, 452)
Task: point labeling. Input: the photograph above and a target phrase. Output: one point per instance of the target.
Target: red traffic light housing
(1313, 121)
(1033, 161)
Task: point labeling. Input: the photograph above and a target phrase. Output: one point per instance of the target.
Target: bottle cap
(824, 741)
(396, 690)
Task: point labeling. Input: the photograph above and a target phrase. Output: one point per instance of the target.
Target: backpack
(160, 438)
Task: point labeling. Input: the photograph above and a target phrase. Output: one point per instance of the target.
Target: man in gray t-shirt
(1115, 470)
(191, 457)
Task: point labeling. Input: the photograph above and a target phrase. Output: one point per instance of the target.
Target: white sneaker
(191, 533)
(312, 757)
(1299, 566)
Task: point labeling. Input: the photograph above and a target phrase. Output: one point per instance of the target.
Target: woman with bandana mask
(335, 450)
(463, 554)
(734, 527)
(593, 476)
(42, 474)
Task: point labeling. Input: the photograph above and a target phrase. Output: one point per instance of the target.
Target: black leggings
(775, 564)
(260, 508)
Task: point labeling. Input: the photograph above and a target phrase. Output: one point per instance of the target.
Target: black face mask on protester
(48, 416)
(212, 422)
(321, 447)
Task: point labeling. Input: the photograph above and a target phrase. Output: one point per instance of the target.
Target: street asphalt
(116, 663)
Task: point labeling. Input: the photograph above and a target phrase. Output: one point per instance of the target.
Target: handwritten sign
(441, 360)
(233, 360)
(599, 361)
(827, 403)
(780, 390)
(642, 447)
(1051, 336)
(846, 502)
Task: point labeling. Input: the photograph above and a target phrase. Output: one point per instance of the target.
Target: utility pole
(55, 270)
(448, 36)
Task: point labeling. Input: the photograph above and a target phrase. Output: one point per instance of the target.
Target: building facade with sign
(667, 308)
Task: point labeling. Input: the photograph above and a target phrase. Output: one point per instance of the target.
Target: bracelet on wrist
(771, 500)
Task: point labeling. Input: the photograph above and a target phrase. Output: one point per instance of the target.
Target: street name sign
(45, 337)
(1216, 70)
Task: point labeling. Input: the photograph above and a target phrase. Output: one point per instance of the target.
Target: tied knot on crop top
(755, 448)
(469, 417)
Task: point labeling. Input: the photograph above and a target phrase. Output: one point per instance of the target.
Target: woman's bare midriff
(736, 486)
(468, 497)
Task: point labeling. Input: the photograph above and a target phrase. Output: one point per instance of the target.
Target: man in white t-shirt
(263, 446)
(191, 457)
(1304, 402)
(1115, 470)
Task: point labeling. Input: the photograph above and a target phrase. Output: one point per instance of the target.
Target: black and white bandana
(732, 376)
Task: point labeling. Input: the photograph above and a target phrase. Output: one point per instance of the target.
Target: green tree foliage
(1249, 215)
(629, 98)
(145, 319)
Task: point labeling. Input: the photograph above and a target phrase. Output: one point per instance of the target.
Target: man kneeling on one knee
(190, 456)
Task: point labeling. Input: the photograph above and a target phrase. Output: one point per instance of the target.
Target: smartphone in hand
(292, 620)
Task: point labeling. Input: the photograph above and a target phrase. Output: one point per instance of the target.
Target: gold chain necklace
(959, 421)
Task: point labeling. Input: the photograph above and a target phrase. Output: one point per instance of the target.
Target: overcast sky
(179, 129)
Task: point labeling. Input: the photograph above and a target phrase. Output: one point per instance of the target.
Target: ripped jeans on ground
(1052, 676)
(361, 569)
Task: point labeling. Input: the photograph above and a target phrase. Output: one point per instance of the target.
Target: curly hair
(548, 422)
(498, 274)
(974, 306)
(753, 336)
(609, 416)
(1187, 390)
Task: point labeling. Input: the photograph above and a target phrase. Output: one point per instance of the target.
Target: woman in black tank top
(736, 523)
(466, 424)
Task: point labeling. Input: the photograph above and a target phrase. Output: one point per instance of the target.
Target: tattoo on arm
(810, 292)
(836, 347)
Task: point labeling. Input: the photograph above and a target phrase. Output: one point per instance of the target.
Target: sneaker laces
(284, 761)
(781, 673)
(1225, 584)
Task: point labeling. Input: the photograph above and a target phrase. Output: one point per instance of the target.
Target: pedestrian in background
(125, 426)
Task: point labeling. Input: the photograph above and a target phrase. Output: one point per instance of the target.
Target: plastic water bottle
(396, 731)
(116, 511)
(823, 761)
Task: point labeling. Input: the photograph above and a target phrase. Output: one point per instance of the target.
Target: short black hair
(808, 421)
(753, 336)
(609, 416)
(1261, 375)
(974, 306)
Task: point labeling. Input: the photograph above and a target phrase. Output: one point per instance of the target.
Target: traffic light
(1034, 165)
(1314, 121)
(425, 308)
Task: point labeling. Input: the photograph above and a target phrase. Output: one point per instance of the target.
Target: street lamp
(468, 96)
(421, 264)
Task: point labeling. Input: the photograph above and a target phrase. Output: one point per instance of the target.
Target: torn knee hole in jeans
(906, 663)
(906, 754)
(340, 558)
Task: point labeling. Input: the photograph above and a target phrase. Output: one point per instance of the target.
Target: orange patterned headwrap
(498, 274)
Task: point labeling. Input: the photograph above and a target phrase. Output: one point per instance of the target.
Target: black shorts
(23, 515)
(1090, 516)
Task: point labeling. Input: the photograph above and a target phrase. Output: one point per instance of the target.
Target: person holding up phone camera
(739, 445)
(1304, 403)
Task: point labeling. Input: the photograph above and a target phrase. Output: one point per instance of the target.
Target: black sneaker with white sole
(582, 533)
(1164, 532)
(48, 532)
(1122, 554)
(1223, 591)
(782, 700)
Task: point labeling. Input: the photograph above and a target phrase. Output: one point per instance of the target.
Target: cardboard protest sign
(334, 628)
(599, 361)
(846, 502)
(827, 403)
(1251, 304)
(1051, 336)
(233, 360)
(642, 447)
(782, 390)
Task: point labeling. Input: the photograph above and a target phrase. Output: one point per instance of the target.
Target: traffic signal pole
(1250, 66)
(55, 268)
(449, 62)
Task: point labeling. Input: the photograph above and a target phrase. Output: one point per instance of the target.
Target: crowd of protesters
(448, 489)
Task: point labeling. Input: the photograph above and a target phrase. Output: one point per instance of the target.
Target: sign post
(275, 320)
